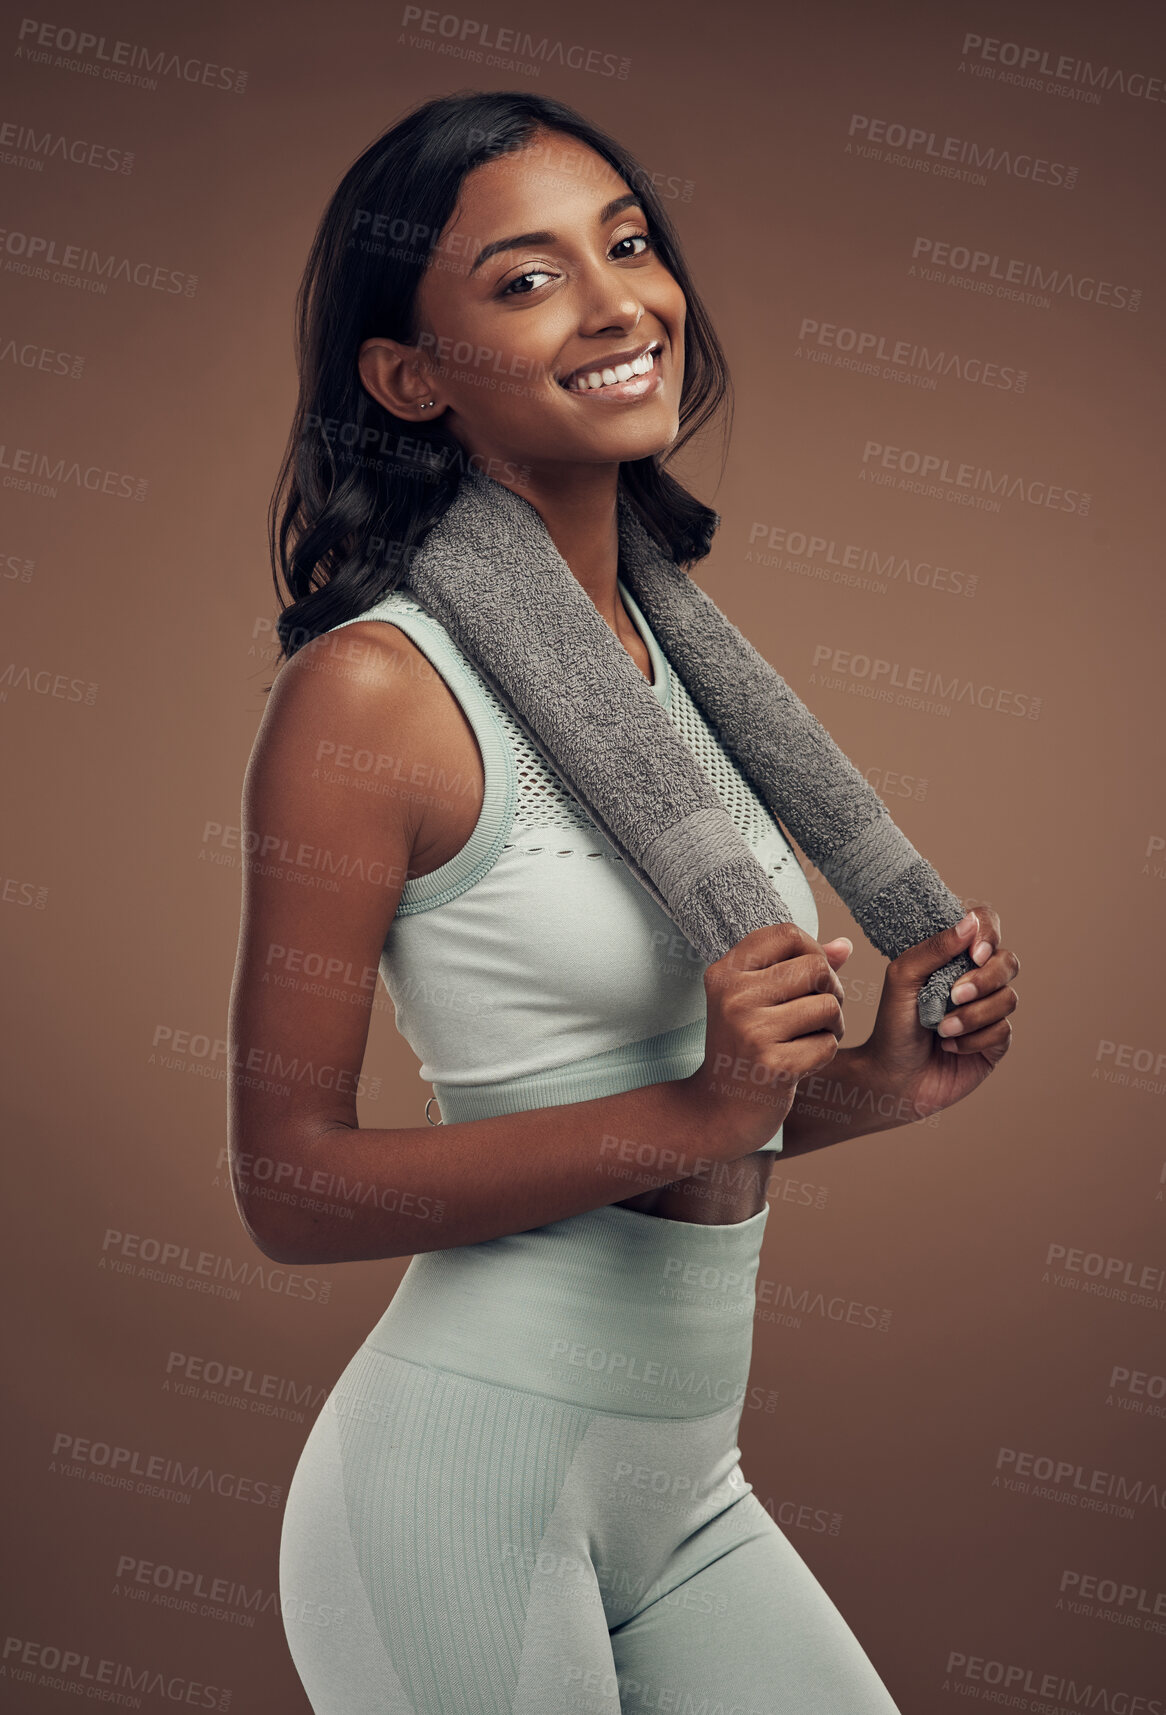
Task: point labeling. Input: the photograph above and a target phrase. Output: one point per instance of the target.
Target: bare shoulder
(364, 682)
(369, 664)
(364, 706)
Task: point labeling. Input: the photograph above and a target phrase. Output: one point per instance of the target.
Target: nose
(610, 301)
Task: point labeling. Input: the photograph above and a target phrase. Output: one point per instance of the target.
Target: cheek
(673, 297)
(674, 312)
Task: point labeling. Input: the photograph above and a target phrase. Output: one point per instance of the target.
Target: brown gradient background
(879, 1453)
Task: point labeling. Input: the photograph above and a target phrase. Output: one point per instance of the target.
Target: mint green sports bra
(532, 969)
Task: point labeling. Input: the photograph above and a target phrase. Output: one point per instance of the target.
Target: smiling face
(550, 331)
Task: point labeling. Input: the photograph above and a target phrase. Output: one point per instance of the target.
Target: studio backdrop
(931, 241)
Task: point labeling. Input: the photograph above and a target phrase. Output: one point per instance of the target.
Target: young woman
(524, 1494)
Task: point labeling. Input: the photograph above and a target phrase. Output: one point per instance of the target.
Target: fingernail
(950, 1027)
(963, 991)
(966, 924)
(949, 1047)
(981, 951)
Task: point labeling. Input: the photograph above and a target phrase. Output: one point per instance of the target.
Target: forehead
(552, 174)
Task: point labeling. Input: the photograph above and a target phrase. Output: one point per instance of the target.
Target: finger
(838, 950)
(988, 939)
(768, 945)
(974, 1015)
(835, 958)
(918, 962)
(799, 976)
(1001, 968)
(992, 1042)
(808, 1015)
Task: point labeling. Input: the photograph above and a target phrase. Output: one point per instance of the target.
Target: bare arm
(847, 1100)
(331, 840)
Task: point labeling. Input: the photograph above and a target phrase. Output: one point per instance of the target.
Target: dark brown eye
(508, 290)
(515, 288)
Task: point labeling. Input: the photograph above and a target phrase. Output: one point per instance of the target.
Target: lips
(614, 369)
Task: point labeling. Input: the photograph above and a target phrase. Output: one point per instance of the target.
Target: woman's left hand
(933, 1069)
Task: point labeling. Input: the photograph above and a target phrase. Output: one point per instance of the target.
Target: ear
(397, 377)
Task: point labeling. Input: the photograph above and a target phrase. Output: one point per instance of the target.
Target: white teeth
(609, 377)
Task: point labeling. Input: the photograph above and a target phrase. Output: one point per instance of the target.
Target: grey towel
(490, 573)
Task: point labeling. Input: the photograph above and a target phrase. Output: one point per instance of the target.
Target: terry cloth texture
(490, 572)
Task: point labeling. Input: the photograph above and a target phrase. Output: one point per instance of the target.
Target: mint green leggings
(524, 1495)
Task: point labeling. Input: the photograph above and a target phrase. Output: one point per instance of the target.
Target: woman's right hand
(774, 1017)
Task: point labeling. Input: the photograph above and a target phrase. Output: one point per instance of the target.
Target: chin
(648, 446)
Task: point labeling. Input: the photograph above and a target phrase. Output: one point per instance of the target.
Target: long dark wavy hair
(359, 488)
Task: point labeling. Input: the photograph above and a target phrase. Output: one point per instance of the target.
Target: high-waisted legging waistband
(612, 1310)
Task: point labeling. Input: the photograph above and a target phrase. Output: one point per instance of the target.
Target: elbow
(274, 1226)
(284, 1248)
(274, 1236)
(292, 1228)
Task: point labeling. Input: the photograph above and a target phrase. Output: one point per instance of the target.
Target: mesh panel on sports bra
(545, 804)
(554, 968)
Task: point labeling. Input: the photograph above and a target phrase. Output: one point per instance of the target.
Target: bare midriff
(730, 1192)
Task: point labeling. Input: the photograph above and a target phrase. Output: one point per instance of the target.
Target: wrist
(850, 1097)
(726, 1121)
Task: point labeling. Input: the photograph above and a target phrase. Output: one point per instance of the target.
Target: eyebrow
(522, 238)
